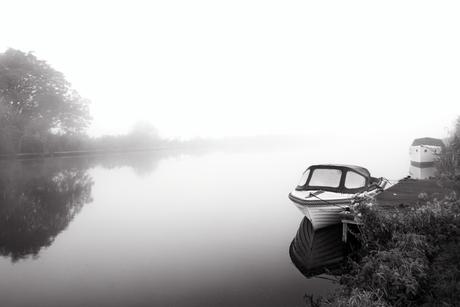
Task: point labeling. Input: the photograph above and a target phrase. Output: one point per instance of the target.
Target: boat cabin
(336, 178)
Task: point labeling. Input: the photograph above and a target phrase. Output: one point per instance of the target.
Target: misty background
(372, 73)
(297, 83)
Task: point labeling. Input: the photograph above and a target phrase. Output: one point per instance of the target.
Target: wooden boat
(325, 190)
(313, 251)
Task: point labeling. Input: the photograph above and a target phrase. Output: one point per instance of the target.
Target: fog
(369, 74)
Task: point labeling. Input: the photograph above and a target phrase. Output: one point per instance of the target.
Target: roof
(427, 141)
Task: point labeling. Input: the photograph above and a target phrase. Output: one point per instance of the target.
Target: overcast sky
(213, 68)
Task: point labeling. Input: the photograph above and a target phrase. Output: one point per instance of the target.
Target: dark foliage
(448, 165)
(36, 102)
(38, 200)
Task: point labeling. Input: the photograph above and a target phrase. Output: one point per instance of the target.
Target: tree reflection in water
(142, 163)
(38, 200)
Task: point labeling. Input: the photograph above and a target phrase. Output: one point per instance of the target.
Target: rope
(311, 194)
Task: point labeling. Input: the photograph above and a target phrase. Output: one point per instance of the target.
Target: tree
(9, 120)
(37, 100)
(143, 134)
(448, 165)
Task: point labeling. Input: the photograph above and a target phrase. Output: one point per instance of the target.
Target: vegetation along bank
(408, 257)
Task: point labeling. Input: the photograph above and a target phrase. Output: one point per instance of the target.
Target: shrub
(447, 167)
(396, 253)
(398, 273)
(444, 280)
(360, 298)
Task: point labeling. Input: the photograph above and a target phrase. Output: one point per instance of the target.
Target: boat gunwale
(322, 203)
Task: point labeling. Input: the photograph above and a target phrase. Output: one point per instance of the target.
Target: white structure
(423, 152)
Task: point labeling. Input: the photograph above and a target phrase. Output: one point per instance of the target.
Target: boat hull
(321, 216)
(322, 213)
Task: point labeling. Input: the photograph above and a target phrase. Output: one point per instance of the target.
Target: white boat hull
(324, 211)
(323, 215)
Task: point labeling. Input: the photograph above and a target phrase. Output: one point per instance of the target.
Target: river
(169, 228)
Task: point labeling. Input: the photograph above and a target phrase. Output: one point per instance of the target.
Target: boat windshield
(325, 177)
(354, 180)
(304, 178)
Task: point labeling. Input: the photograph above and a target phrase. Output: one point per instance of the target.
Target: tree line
(40, 112)
(39, 108)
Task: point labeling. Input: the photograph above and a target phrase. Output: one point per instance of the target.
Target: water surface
(208, 228)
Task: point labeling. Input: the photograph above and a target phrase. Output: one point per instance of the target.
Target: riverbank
(106, 145)
(34, 156)
(410, 253)
(405, 195)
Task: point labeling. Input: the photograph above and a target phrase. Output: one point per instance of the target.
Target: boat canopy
(335, 178)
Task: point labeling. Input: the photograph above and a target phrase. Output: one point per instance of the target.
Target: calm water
(159, 229)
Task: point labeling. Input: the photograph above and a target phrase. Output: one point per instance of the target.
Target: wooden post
(347, 218)
(344, 242)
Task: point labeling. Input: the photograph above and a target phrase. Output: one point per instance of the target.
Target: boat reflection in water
(315, 252)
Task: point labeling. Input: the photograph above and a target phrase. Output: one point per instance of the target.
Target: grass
(410, 259)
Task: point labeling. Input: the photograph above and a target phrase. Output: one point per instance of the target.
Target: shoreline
(38, 156)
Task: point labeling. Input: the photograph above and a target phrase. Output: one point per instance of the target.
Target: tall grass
(410, 259)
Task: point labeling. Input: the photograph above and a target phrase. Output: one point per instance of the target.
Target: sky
(361, 69)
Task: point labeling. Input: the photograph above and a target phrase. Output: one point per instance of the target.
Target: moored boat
(325, 190)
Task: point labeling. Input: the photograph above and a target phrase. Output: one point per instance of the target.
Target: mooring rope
(311, 194)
